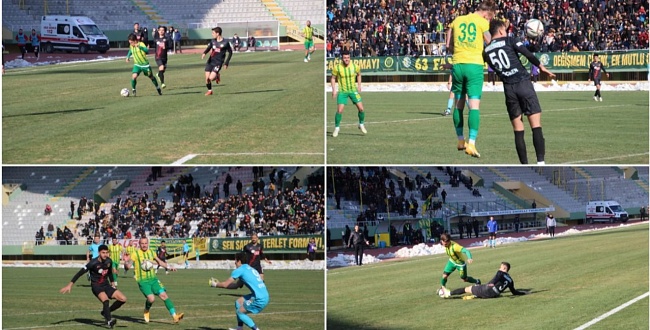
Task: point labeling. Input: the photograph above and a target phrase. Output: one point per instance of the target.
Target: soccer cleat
(600, 99)
(447, 113)
(146, 316)
(133, 92)
(178, 317)
(461, 145)
(363, 129)
(213, 282)
(306, 61)
(478, 282)
(166, 272)
(469, 297)
(111, 323)
(336, 132)
(218, 78)
(470, 149)
(596, 98)
(309, 57)
(445, 292)
(208, 93)
(159, 91)
(163, 86)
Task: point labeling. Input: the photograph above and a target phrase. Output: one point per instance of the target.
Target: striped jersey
(115, 252)
(346, 76)
(139, 54)
(130, 249)
(455, 253)
(138, 257)
(468, 38)
(308, 31)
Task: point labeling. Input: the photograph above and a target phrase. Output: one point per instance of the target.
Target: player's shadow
(132, 319)
(529, 291)
(90, 322)
(230, 294)
(51, 112)
(207, 328)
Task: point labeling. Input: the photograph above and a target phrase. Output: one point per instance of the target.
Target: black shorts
(521, 99)
(492, 234)
(596, 82)
(213, 67)
(97, 289)
(161, 61)
(484, 291)
(258, 268)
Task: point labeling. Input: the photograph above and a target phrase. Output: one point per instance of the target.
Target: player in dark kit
(502, 55)
(492, 289)
(161, 252)
(218, 47)
(596, 70)
(163, 43)
(255, 254)
(101, 273)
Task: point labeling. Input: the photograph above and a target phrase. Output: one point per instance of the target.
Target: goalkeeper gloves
(213, 282)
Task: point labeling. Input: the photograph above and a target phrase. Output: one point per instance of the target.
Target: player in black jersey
(596, 70)
(502, 55)
(492, 289)
(101, 273)
(218, 47)
(255, 254)
(163, 44)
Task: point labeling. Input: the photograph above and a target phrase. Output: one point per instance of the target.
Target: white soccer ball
(534, 28)
(124, 92)
(441, 292)
(147, 265)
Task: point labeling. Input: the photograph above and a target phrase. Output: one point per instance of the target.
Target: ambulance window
(599, 209)
(63, 29)
(76, 32)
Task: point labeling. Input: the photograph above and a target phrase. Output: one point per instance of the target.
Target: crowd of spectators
(266, 210)
(390, 27)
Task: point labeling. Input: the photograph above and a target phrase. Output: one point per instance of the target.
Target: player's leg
(462, 270)
(449, 268)
(162, 66)
(356, 99)
(450, 103)
(474, 76)
(134, 78)
(36, 49)
(306, 59)
(514, 109)
(341, 101)
(457, 88)
(168, 302)
(597, 92)
(208, 82)
(531, 108)
(149, 73)
(116, 266)
(120, 299)
(600, 96)
(240, 310)
(103, 298)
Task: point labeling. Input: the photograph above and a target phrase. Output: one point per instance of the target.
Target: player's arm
(486, 59)
(467, 253)
(143, 47)
(109, 273)
(521, 49)
(591, 70)
(514, 291)
(449, 44)
(207, 49)
(487, 37)
(333, 83)
(358, 79)
(88, 251)
(230, 283)
(76, 276)
(602, 67)
(228, 56)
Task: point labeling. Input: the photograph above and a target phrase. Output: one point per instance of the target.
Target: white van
(608, 211)
(78, 33)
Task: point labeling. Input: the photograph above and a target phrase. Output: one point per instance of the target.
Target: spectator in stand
(236, 43)
(251, 43)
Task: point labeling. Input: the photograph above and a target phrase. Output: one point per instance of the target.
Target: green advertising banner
(633, 60)
(296, 243)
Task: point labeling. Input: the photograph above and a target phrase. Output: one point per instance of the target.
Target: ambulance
(607, 211)
(72, 33)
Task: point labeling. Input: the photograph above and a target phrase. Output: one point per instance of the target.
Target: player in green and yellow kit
(140, 62)
(348, 75)
(465, 38)
(308, 33)
(115, 250)
(456, 260)
(128, 263)
(148, 281)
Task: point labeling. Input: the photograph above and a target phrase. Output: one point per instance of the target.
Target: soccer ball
(441, 292)
(124, 92)
(147, 265)
(534, 28)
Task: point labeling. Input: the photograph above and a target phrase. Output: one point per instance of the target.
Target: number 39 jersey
(502, 54)
(467, 36)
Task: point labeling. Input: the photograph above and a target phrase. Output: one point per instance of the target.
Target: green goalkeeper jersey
(140, 256)
(139, 54)
(346, 76)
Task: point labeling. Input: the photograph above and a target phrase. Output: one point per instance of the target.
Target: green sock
(133, 83)
(337, 119)
(458, 121)
(147, 305)
(443, 281)
(170, 306)
(362, 117)
(474, 122)
(155, 82)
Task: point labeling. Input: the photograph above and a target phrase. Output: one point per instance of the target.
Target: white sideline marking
(190, 156)
(612, 312)
(606, 158)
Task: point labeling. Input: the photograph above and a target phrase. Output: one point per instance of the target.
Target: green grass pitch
(408, 128)
(573, 279)
(31, 300)
(268, 109)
